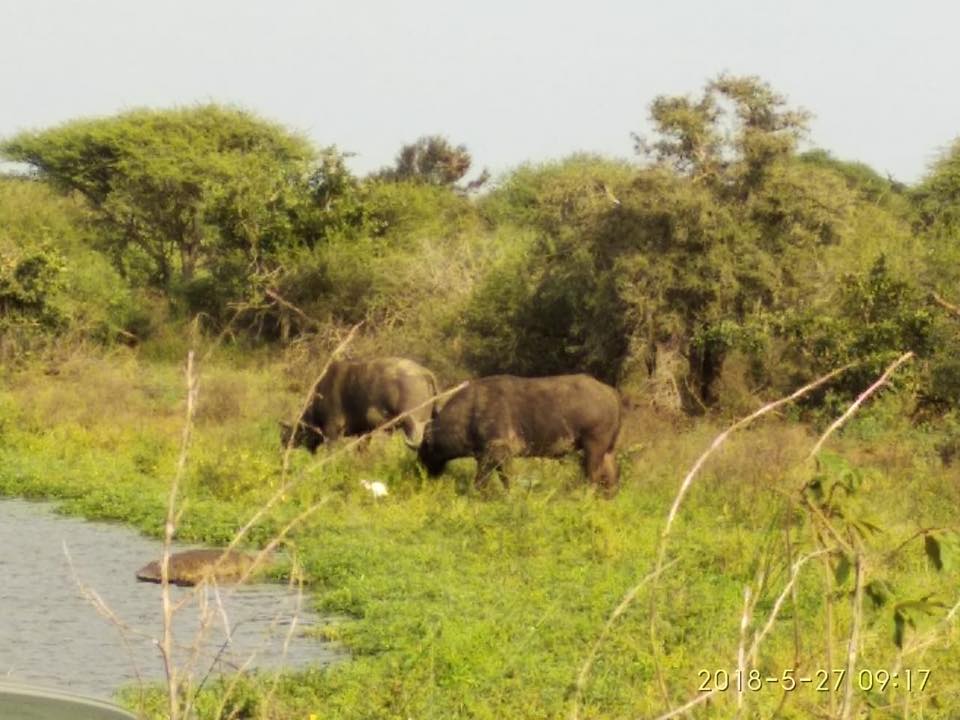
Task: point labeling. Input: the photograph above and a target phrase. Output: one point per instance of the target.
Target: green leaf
(879, 592)
(832, 464)
(865, 528)
(842, 571)
(872, 526)
(931, 546)
(898, 628)
(815, 488)
(924, 605)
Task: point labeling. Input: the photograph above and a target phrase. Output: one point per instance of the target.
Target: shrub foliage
(721, 240)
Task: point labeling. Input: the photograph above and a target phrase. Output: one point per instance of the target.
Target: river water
(51, 635)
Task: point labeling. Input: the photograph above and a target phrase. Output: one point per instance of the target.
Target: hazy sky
(514, 81)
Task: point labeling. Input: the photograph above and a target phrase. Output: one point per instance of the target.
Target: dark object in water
(192, 567)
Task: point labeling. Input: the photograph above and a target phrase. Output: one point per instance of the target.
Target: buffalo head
(429, 454)
(303, 436)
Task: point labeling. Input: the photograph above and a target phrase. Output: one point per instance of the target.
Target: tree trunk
(190, 249)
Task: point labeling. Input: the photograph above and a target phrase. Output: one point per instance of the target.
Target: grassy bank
(460, 605)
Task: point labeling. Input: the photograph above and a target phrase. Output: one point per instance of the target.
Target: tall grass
(458, 605)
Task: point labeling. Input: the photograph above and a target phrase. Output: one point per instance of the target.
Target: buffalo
(495, 418)
(356, 396)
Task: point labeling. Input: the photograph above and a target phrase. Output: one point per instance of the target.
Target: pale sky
(514, 81)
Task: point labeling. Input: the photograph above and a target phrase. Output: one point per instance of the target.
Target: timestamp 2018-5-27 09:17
(868, 679)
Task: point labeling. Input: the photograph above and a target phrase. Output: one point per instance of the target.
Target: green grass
(457, 604)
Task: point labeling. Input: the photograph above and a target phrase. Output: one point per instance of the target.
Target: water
(51, 635)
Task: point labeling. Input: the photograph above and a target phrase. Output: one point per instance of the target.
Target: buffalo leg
(600, 467)
(492, 461)
(592, 460)
(609, 473)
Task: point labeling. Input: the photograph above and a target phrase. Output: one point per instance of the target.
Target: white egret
(375, 488)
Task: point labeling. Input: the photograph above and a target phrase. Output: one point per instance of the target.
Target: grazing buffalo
(193, 567)
(495, 418)
(356, 396)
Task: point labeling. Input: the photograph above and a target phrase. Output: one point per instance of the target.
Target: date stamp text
(867, 679)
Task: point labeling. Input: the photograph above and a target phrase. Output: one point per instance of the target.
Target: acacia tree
(766, 251)
(729, 137)
(936, 206)
(937, 197)
(176, 191)
(434, 161)
(699, 253)
(728, 222)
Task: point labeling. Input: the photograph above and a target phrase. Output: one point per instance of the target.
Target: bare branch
(276, 297)
(944, 304)
(100, 605)
(166, 641)
(859, 401)
(852, 646)
(688, 481)
(741, 654)
(664, 536)
(592, 655)
(757, 639)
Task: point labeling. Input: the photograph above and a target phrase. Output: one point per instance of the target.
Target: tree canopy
(725, 240)
(173, 190)
(720, 249)
(433, 160)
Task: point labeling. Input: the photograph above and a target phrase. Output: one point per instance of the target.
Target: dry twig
(757, 638)
(166, 641)
(100, 605)
(854, 642)
(944, 304)
(688, 481)
(664, 537)
(859, 401)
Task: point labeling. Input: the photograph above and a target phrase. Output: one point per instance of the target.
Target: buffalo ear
(286, 431)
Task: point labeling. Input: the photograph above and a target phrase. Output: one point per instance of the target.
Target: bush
(51, 279)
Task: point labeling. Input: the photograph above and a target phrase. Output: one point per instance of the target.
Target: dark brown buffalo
(495, 418)
(357, 396)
